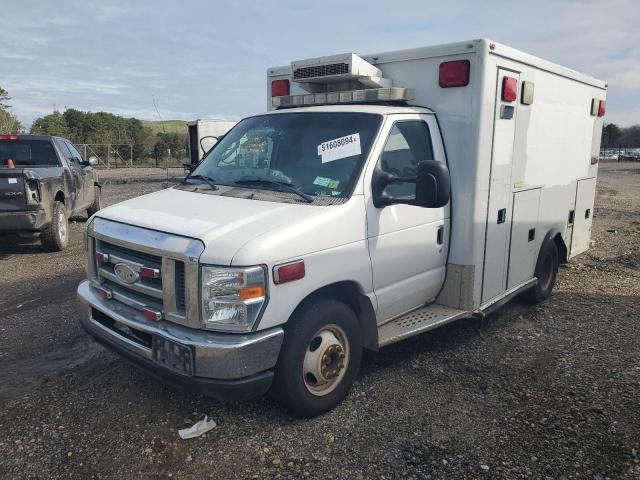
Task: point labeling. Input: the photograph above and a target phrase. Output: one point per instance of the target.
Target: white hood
(226, 224)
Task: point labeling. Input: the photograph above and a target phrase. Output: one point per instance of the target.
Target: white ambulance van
(203, 135)
(380, 196)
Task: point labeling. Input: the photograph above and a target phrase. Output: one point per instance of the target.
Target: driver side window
(408, 144)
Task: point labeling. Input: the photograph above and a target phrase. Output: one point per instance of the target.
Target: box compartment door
(498, 227)
(581, 235)
(524, 237)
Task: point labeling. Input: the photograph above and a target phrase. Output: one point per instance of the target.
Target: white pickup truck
(380, 197)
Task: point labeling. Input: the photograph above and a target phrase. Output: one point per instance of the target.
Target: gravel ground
(545, 392)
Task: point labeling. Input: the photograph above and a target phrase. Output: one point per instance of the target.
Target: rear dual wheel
(320, 357)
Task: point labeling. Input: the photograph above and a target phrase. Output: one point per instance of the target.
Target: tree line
(101, 128)
(614, 136)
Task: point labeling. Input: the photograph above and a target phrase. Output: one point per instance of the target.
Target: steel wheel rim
(326, 360)
(62, 226)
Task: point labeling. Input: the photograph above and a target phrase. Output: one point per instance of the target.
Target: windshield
(319, 154)
(28, 152)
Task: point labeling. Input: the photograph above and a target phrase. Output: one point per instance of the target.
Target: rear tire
(55, 236)
(320, 358)
(546, 273)
(96, 205)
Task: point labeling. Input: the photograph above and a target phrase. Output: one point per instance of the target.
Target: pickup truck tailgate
(11, 190)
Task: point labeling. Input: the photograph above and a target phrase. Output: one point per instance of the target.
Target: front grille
(145, 292)
(159, 272)
(321, 70)
(180, 287)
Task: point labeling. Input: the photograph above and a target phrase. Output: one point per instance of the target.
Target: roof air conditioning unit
(337, 72)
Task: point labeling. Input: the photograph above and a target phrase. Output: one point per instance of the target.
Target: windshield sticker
(326, 182)
(338, 148)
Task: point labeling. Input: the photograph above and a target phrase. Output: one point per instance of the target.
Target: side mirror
(433, 186)
(208, 144)
(93, 161)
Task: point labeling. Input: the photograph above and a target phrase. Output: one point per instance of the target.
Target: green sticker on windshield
(326, 182)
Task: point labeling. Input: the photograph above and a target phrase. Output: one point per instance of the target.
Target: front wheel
(96, 205)
(320, 358)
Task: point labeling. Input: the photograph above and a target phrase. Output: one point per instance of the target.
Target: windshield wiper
(282, 186)
(210, 181)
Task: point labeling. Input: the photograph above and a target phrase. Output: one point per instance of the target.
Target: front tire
(55, 236)
(546, 273)
(320, 358)
(96, 205)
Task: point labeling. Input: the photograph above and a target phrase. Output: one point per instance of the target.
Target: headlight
(232, 298)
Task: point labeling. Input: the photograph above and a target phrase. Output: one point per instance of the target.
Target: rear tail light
(288, 272)
(10, 164)
(509, 89)
(9, 137)
(601, 108)
(454, 74)
(280, 88)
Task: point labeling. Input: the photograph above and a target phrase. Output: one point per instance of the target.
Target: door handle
(440, 235)
(502, 215)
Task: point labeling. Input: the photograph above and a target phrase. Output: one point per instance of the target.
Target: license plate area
(172, 355)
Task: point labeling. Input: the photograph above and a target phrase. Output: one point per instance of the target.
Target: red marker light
(288, 272)
(105, 294)
(147, 272)
(601, 108)
(280, 88)
(509, 89)
(9, 137)
(454, 74)
(152, 315)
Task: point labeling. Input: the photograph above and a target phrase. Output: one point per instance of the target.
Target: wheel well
(59, 197)
(562, 248)
(348, 293)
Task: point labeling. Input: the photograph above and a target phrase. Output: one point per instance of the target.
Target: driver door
(407, 244)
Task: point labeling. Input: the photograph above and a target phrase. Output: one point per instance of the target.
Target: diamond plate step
(418, 321)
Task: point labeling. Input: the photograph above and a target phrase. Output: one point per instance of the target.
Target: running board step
(418, 321)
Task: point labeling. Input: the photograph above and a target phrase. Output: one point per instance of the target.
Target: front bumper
(22, 221)
(228, 366)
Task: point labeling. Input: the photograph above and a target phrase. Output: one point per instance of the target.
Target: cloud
(205, 59)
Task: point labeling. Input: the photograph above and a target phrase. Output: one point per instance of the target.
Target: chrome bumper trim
(216, 355)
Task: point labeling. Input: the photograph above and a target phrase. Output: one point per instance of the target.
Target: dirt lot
(549, 392)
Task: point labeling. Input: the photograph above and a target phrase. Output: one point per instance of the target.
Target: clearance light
(509, 89)
(350, 96)
(454, 74)
(288, 272)
(601, 108)
(147, 272)
(102, 257)
(279, 88)
(152, 315)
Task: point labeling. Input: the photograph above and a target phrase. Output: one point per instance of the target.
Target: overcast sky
(208, 59)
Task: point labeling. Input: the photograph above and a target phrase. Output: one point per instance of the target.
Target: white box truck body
(382, 196)
(203, 135)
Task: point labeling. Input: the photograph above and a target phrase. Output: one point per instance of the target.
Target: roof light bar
(349, 96)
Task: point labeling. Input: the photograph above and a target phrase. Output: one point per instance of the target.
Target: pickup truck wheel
(96, 205)
(546, 272)
(320, 358)
(55, 236)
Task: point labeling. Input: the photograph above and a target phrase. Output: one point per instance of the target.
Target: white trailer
(381, 196)
(203, 135)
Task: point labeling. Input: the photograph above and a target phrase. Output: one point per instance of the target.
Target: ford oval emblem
(125, 273)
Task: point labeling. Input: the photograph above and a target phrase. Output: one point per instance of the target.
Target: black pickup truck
(43, 182)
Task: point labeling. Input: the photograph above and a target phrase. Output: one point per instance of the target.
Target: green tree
(52, 124)
(4, 99)
(610, 135)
